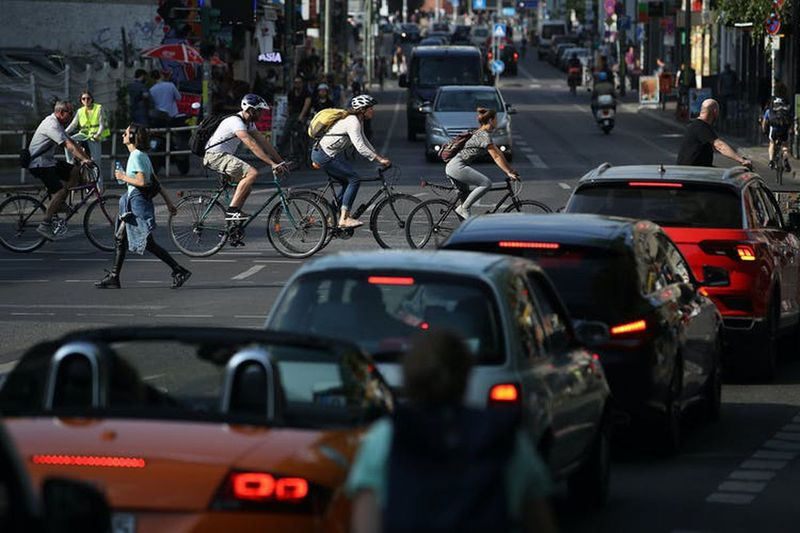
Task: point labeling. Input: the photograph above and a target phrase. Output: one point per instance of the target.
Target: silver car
(452, 112)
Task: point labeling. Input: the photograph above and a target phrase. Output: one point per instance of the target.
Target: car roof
(735, 177)
(446, 50)
(471, 88)
(563, 228)
(444, 261)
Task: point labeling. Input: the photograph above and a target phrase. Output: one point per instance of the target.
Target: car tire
(589, 485)
(767, 344)
(712, 390)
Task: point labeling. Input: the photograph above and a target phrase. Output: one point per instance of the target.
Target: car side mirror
(403, 80)
(510, 110)
(71, 505)
(425, 108)
(715, 277)
(591, 333)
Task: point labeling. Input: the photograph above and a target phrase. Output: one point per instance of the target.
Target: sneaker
(236, 216)
(46, 231)
(462, 211)
(350, 223)
(60, 229)
(786, 166)
(110, 281)
(179, 277)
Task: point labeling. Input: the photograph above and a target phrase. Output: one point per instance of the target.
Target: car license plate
(123, 523)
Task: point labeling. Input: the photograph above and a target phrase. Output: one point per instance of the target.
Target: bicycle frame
(225, 189)
(91, 187)
(454, 200)
(384, 190)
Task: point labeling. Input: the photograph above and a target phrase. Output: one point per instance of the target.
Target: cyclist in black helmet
(234, 130)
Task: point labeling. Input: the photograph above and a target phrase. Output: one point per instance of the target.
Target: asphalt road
(737, 475)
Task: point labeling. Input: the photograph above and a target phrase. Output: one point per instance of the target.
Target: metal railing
(112, 157)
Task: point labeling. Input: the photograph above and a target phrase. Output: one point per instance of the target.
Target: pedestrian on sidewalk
(437, 465)
(90, 121)
(137, 221)
(701, 141)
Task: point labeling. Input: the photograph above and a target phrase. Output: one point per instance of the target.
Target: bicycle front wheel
(297, 227)
(528, 206)
(388, 220)
(198, 228)
(19, 217)
(100, 221)
(431, 223)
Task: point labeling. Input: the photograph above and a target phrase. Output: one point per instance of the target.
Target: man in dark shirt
(299, 103)
(139, 98)
(701, 140)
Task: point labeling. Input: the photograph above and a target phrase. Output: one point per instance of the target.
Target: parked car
(452, 113)
(527, 351)
(663, 355)
(198, 429)
(430, 67)
(724, 218)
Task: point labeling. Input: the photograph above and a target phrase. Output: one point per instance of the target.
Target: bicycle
(780, 161)
(436, 219)
(20, 215)
(386, 222)
(296, 226)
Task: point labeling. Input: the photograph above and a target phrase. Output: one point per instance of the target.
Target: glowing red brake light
(746, 252)
(504, 393)
(252, 485)
(489, 55)
(630, 327)
(89, 460)
(291, 489)
(390, 280)
(516, 56)
(654, 184)
(528, 244)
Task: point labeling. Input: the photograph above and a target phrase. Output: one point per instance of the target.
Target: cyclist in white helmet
(234, 130)
(328, 153)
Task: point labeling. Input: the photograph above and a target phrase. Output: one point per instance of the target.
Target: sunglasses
(86, 98)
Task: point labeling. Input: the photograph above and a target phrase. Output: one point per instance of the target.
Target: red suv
(718, 218)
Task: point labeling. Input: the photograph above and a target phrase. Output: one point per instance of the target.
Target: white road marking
(106, 314)
(85, 306)
(79, 280)
(7, 367)
(149, 281)
(671, 135)
(24, 281)
(752, 475)
(22, 259)
(536, 85)
(788, 436)
(766, 454)
(154, 376)
(81, 259)
(32, 314)
(737, 499)
(395, 112)
(279, 261)
(249, 272)
(184, 316)
(213, 260)
(258, 317)
(527, 149)
(536, 161)
(782, 445)
(763, 465)
(791, 427)
(742, 486)
(419, 194)
(563, 185)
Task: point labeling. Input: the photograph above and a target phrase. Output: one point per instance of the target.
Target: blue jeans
(340, 170)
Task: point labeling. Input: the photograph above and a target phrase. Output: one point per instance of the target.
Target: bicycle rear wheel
(328, 208)
(388, 220)
(198, 228)
(100, 220)
(431, 223)
(297, 227)
(19, 217)
(528, 206)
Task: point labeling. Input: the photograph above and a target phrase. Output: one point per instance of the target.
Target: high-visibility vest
(90, 121)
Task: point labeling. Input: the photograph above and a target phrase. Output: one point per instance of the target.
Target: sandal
(350, 223)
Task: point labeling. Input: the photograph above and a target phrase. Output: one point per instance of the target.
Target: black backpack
(447, 468)
(779, 117)
(451, 148)
(200, 136)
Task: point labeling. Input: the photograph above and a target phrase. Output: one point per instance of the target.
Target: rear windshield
(594, 283)
(435, 71)
(687, 206)
(550, 31)
(382, 317)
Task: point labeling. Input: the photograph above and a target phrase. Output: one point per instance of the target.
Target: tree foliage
(755, 12)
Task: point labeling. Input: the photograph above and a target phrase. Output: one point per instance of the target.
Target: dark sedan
(664, 350)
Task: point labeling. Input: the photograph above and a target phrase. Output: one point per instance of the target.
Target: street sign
(499, 30)
(773, 24)
(478, 4)
(497, 66)
(509, 11)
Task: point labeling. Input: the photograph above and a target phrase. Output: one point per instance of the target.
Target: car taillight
(96, 461)
(516, 56)
(489, 55)
(248, 490)
(746, 252)
(654, 184)
(736, 250)
(390, 280)
(504, 394)
(529, 244)
(628, 327)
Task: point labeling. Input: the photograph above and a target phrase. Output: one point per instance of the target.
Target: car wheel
(712, 395)
(768, 344)
(588, 485)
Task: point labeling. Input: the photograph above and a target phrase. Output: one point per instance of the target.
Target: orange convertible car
(198, 429)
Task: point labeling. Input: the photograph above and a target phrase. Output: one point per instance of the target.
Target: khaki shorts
(227, 164)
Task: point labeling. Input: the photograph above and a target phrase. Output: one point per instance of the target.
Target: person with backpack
(438, 465)
(777, 122)
(460, 169)
(219, 156)
(346, 130)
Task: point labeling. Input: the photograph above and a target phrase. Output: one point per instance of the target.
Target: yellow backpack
(323, 121)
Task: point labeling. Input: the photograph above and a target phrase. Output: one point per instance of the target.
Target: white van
(548, 29)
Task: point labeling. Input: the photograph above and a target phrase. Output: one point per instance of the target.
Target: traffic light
(209, 19)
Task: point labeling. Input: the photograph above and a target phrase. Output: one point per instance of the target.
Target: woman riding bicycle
(329, 154)
(459, 168)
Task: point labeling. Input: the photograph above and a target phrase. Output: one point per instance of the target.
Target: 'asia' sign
(270, 57)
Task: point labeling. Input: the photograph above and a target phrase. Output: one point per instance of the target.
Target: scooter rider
(602, 86)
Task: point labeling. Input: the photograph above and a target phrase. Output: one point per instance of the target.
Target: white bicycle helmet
(254, 101)
(362, 101)
(323, 87)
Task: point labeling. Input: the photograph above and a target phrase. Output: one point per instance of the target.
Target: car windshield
(382, 313)
(180, 380)
(466, 100)
(436, 71)
(550, 31)
(687, 205)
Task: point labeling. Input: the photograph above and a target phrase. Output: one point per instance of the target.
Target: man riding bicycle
(231, 132)
(329, 153)
(776, 122)
(57, 176)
